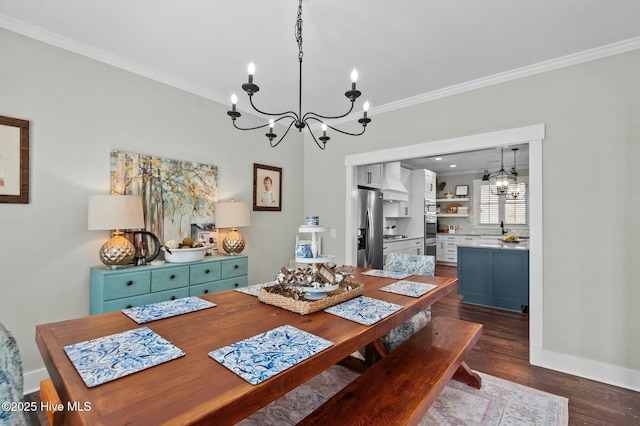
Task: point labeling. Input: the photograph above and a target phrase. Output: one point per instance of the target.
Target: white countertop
(522, 245)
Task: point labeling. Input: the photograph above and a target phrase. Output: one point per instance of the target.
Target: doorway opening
(531, 135)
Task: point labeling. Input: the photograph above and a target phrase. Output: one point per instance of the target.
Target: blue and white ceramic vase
(303, 251)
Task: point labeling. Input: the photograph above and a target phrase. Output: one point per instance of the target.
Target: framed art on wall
(267, 188)
(14, 160)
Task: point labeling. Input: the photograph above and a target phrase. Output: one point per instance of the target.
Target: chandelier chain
(299, 31)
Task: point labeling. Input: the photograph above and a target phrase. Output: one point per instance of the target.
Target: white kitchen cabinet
(429, 185)
(408, 246)
(397, 209)
(440, 248)
(370, 176)
(448, 250)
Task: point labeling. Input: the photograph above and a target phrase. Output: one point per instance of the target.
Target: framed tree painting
(14, 160)
(267, 188)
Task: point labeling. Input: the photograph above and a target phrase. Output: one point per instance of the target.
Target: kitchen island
(494, 274)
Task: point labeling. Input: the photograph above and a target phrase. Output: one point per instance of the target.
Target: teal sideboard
(494, 277)
(116, 289)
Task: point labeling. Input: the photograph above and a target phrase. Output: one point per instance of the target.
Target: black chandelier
(500, 181)
(299, 120)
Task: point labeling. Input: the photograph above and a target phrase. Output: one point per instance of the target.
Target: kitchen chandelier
(500, 181)
(299, 120)
(516, 189)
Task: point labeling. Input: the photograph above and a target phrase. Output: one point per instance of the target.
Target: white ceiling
(405, 51)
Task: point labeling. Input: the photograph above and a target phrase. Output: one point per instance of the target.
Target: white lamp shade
(232, 215)
(109, 212)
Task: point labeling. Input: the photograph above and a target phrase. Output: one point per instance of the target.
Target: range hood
(392, 187)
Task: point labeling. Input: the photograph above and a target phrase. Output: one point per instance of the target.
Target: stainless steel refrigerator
(369, 230)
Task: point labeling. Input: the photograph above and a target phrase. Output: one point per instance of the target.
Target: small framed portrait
(462, 190)
(14, 160)
(326, 274)
(267, 188)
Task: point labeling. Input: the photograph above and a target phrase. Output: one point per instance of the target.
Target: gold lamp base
(117, 252)
(233, 243)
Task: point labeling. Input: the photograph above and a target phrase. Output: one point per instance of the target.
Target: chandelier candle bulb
(365, 108)
(251, 69)
(234, 101)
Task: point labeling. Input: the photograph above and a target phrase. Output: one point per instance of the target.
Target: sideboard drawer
(230, 284)
(168, 278)
(205, 272)
(234, 268)
(116, 289)
(145, 299)
(123, 285)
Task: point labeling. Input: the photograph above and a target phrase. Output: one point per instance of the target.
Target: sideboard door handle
(173, 298)
(129, 306)
(236, 285)
(236, 266)
(206, 271)
(206, 291)
(172, 276)
(129, 282)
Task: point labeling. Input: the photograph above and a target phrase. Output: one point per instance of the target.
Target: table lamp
(232, 215)
(116, 213)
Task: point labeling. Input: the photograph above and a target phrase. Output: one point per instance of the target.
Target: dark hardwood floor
(503, 351)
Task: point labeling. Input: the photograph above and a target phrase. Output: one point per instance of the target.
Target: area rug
(499, 402)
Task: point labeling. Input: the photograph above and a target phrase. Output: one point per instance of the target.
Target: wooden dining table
(196, 389)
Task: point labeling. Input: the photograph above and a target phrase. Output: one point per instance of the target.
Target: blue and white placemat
(409, 288)
(170, 308)
(111, 357)
(254, 289)
(364, 310)
(263, 356)
(387, 274)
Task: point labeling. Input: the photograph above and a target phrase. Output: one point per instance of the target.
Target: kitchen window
(492, 208)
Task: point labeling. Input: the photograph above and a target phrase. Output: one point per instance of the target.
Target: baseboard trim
(32, 380)
(589, 369)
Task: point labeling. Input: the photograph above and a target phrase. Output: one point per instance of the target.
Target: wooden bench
(400, 388)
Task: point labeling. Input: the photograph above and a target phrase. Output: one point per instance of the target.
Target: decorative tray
(296, 302)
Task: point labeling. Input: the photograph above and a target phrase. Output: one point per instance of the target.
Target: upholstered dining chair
(414, 265)
(11, 380)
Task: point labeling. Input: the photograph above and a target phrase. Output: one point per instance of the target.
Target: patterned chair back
(415, 265)
(410, 263)
(11, 381)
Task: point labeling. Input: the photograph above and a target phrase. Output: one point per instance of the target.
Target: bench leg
(466, 375)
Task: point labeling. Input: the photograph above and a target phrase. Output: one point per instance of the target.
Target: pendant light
(499, 181)
(516, 189)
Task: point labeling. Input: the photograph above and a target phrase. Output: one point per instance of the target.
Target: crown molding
(541, 67)
(116, 61)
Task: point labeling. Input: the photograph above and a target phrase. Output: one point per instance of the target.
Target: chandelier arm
(317, 116)
(249, 128)
(294, 119)
(321, 146)
(273, 145)
(271, 113)
(334, 128)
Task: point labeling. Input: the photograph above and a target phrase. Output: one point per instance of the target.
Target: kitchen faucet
(504, 231)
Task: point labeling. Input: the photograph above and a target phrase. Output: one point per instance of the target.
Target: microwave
(429, 207)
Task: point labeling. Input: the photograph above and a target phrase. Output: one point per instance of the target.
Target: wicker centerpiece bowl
(300, 290)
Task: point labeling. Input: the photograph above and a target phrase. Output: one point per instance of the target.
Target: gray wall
(79, 110)
(590, 197)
